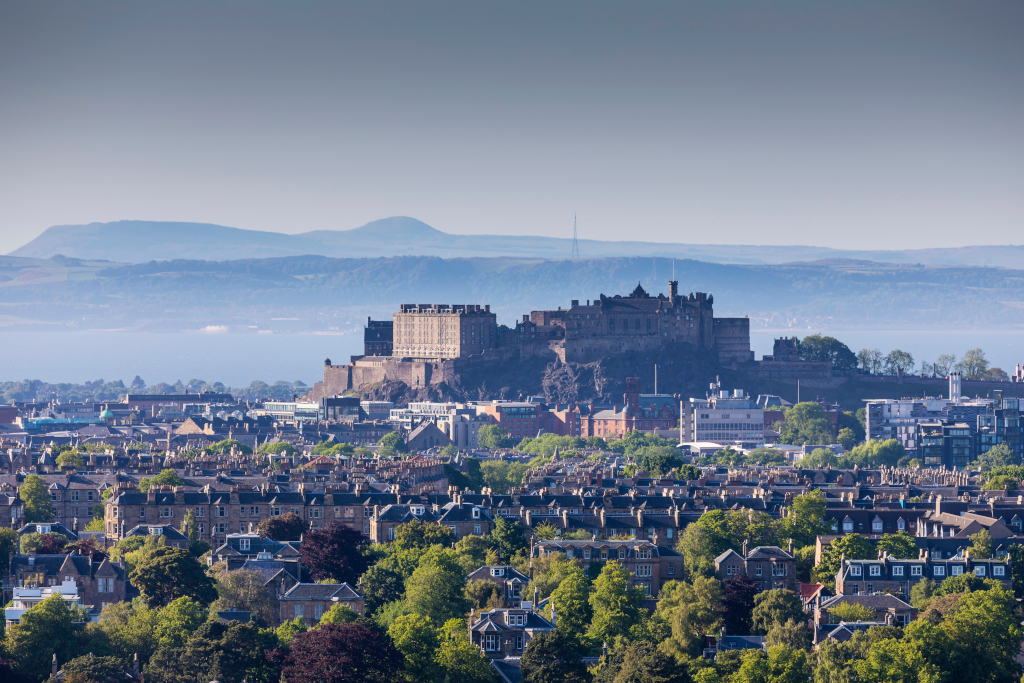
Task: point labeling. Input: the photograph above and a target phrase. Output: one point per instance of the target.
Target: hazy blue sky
(850, 124)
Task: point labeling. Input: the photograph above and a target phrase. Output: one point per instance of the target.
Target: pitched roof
(321, 591)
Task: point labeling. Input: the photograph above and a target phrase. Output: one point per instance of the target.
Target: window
(106, 586)
(778, 570)
(604, 553)
(350, 512)
(74, 496)
(671, 568)
(668, 533)
(586, 553)
(254, 512)
(875, 570)
(490, 642)
(956, 571)
(871, 588)
(622, 553)
(222, 528)
(916, 570)
(998, 570)
(166, 512)
(243, 544)
(142, 513)
(89, 496)
(315, 513)
(643, 570)
(854, 589)
(855, 570)
(200, 512)
(318, 611)
(900, 524)
(643, 553)
(391, 533)
(897, 571)
(300, 610)
(876, 524)
(220, 511)
(568, 553)
(201, 527)
(497, 571)
(476, 529)
(516, 619)
(847, 524)
(519, 642)
(156, 530)
(757, 569)
(979, 571)
(938, 571)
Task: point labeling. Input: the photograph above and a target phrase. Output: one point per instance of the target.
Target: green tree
(493, 436)
(166, 477)
(776, 606)
(640, 662)
(44, 630)
(70, 459)
(851, 611)
(339, 614)
(8, 544)
(806, 423)
(482, 593)
(964, 583)
(690, 610)
(1015, 560)
(93, 669)
(973, 364)
(36, 495)
(225, 446)
(921, 593)
(793, 634)
(279, 448)
(418, 534)
(895, 661)
(381, 584)
(552, 657)
(986, 637)
(898, 362)
(875, 453)
(821, 348)
(499, 475)
(999, 455)
(704, 540)
(437, 588)
(391, 445)
(805, 518)
(170, 573)
(616, 604)
(853, 546)
(571, 600)
(981, 545)
(289, 629)
(820, 458)
(176, 622)
(900, 545)
(870, 360)
(847, 438)
(781, 665)
(508, 538)
(417, 640)
(243, 589)
(545, 531)
(458, 659)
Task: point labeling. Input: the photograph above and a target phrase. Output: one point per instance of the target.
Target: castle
(640, 322)
(433, 343)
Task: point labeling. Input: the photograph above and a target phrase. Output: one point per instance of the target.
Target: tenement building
(443, 330)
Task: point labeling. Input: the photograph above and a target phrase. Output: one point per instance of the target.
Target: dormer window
(900, 524)
(417, 510)
(156, 530)
(476, 513)
(855, 570)
(243, 544)
(497, 571)
(847, 524)
(44, 529)
(876, 524)
(622, 553)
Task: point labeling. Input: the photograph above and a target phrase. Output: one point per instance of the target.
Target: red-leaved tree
(332, 552)
(342, 653)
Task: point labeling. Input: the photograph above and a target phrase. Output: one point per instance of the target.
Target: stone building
(310, 601)
(463, 519)
(641, 322)
(888, 609)
(501, 633)
(888, 573)
(443, 330)
(511, 581)
(98, 583)
(769, 566)
(378, 337)
(650, 566)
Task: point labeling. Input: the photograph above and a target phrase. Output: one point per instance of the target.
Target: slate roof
(494, 620)
(167, 531)
(875, 601)
(321, 591)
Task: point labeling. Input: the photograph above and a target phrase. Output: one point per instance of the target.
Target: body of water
(238, 359)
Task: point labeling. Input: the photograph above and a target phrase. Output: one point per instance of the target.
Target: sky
(850, 125)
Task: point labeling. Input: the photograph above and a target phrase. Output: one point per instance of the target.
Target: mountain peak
(402, 227)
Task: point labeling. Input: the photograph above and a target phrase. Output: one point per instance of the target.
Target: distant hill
(142, 241)
(317, 293)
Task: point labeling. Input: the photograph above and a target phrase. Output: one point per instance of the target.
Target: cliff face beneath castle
(682, 368)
